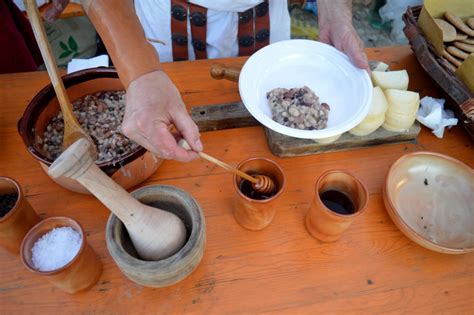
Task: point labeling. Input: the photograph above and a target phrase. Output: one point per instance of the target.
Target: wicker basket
(459, 98)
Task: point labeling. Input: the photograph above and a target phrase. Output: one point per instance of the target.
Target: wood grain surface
(234, 115)
(372, 269)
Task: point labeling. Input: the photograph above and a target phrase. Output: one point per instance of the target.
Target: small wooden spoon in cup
(260, 183)
(72, 128)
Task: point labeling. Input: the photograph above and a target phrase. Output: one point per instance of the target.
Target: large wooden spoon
(155, 233)
(72, 128)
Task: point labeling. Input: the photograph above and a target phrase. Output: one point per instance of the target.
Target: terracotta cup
(19, 220)
(325, 224)
(81, 273)
(255, 214)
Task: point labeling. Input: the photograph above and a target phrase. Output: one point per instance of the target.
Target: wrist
(332, 12)
(147, 77)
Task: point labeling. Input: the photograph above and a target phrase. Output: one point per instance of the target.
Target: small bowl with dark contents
(97, 96)
(16, 215)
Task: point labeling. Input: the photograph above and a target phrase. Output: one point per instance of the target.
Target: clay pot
(255, 214)
(128, 171)
(19, 220)
(325, 224)
(170, 270)
(81, 273)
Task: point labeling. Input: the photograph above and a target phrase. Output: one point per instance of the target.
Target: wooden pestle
(155, 233)
(221, 71)
(72, 128)
(260, 183)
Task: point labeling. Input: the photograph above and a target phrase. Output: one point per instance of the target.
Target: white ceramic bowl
(295, 63)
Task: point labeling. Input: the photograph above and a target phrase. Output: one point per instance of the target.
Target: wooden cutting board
(235, 115)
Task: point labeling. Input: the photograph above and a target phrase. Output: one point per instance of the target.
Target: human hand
(335, 28)
(55, 10)
(153, 105)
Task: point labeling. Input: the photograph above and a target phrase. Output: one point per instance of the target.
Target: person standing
(141, 34)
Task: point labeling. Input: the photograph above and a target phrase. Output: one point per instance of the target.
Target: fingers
(324, 36)
(355, 51)
(188, 129)
(346, 39)
(165, 146)
(156, 138)
(153, 105)
(55, 10)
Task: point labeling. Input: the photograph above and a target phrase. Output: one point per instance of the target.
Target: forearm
(121, 31)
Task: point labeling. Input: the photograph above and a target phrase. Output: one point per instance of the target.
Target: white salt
(56, 248)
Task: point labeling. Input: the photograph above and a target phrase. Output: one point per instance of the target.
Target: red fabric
(18, 49)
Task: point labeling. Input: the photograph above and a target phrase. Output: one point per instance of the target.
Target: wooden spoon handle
(228, 167)
(184, 144)
(221, 71)
(46, 53)
(72, 128)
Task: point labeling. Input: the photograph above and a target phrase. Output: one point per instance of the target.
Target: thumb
(188, 129)
(356, 54)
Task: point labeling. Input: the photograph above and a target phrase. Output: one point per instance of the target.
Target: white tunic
(222, 25)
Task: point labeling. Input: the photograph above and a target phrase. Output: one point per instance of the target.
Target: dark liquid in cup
(7, 202)
(246, 188)
(337, 201)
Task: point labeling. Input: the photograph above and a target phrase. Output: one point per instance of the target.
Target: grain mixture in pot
(100, 116)
(298, 108)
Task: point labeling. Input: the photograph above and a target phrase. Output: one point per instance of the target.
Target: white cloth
(81, 64)
(432, 115)
(222, 25)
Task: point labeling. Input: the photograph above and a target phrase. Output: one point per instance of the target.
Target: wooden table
(374, 268)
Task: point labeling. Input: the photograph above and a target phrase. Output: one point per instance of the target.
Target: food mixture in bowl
(298, 108)
(100, 116)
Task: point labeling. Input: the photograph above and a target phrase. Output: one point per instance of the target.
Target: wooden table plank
(374, 268)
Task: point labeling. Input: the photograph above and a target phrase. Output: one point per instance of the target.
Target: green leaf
(63, 45)
(65, 54)
(72, 43)
(75, 54)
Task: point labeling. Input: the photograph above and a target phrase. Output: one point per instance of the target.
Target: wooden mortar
(165, 272)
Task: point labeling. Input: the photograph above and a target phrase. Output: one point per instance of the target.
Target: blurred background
(378, 22)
